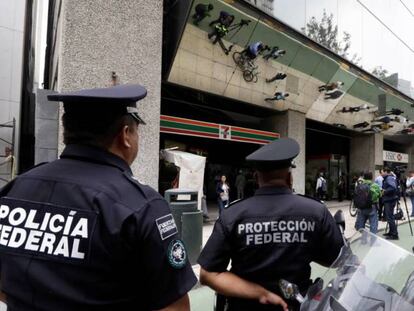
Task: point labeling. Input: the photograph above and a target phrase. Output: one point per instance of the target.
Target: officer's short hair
(94, 124)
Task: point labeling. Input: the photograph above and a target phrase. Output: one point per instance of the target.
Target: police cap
(122, 96)
(275, 155)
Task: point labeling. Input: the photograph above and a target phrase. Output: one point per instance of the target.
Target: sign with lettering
(183, 126)
(283, 231)
(45, 230)
(395, 156)
(225, 132)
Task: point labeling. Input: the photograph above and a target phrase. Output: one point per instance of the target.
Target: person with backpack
(390, 197)
(321, 187)
(366, 197)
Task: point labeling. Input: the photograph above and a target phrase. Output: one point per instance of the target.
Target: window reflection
(378, 41)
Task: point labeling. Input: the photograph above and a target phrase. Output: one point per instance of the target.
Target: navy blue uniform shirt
(81, 233)
(274, 234)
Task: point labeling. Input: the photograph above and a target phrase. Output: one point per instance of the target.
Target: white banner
(191, 170)
(395, 156)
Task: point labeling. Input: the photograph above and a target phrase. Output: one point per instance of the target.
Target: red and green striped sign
(182, 126)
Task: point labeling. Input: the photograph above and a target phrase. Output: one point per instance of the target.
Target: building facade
(12, 26)
(202, 100)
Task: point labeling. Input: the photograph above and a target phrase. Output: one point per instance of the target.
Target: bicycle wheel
(238, 59)
(255, 76)
(352, 209)
(248, 76)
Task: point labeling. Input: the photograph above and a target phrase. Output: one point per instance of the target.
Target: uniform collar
(94, 154)
(273, 190)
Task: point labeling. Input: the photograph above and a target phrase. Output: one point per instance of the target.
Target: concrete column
(379, 148)
(292, 124)
(46, 128)
(410, 151)
(125, 36)
(366, 153)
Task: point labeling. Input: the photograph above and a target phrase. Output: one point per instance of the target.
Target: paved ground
(202, 297)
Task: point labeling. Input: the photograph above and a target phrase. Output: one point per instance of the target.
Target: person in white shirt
(321, 187)
(222, 191)
(410, 185)
(378, 180)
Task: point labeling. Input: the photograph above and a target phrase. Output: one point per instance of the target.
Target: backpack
(324, 188)
(362, 196)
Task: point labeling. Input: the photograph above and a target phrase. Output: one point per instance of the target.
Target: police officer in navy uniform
(81, 233)
(273, 235)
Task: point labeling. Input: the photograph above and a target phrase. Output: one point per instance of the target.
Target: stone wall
(125, 36)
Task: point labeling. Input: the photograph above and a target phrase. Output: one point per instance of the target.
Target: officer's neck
(278, 183)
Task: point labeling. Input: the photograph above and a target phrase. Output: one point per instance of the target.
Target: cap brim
(137, 118)
(120, 94)
(133, 112)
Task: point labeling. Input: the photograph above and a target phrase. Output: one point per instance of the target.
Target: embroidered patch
(46, 231)
(166, 226)
(177, 254)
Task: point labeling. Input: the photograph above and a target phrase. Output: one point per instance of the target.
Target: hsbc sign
(395, 156)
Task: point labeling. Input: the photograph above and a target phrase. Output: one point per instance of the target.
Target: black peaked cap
(275, 155)
(123, 95)
(120, 94)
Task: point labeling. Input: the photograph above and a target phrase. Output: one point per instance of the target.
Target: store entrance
(327, 152)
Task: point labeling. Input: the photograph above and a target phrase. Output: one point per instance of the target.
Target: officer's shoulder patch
(166, 226)
(177, 254)
(46, 231)
(233, 203)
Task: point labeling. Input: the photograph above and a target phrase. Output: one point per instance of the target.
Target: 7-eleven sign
(225, 132)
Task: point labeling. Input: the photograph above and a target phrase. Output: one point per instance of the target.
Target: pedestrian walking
(222, 190)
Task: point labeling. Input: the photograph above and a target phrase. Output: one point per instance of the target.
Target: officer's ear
(128, 134)
(290, 181)
(125, 136)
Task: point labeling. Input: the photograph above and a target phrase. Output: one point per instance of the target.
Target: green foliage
(380, 72)
(326, 33)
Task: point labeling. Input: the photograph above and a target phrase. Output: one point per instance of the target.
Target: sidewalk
(202, 297)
